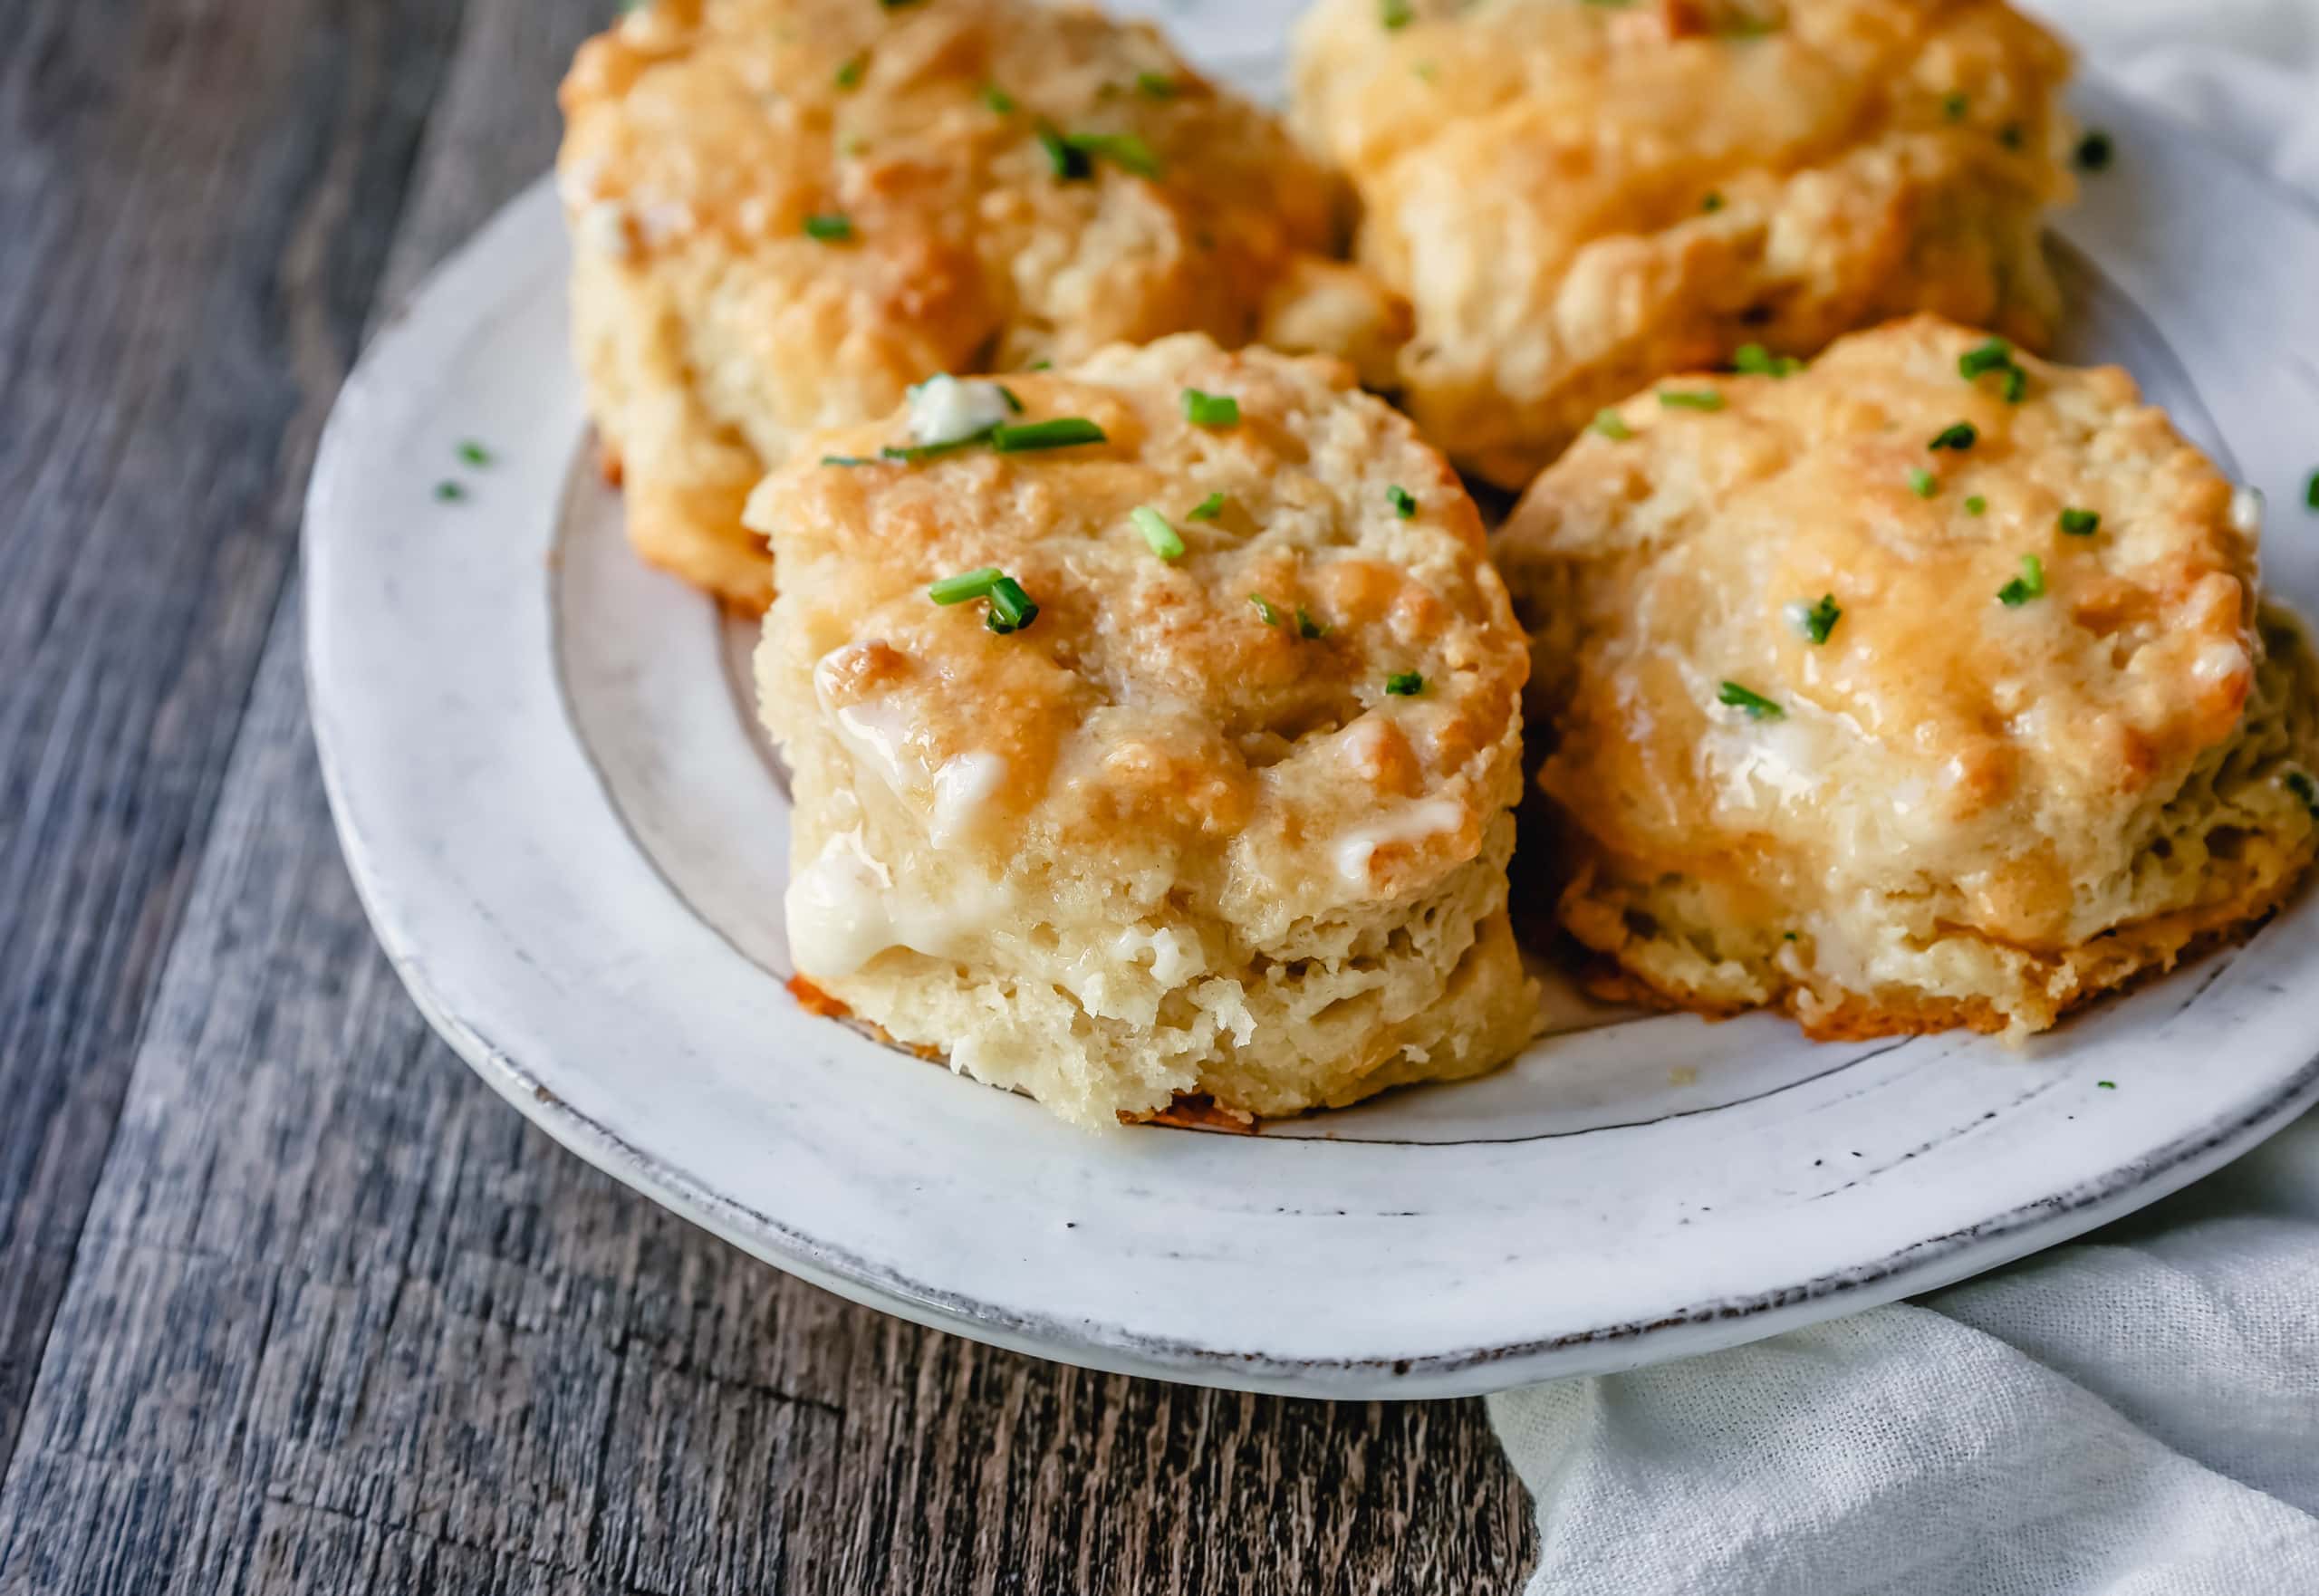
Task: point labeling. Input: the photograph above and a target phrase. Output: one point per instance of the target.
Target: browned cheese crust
(702, 134)
(1953, 810)
(1577, 198)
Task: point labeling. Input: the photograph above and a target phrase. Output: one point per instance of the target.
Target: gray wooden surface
(288, 1301)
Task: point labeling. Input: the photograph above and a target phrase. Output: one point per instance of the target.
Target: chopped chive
(1815, 621)
(1265, 611)
(1404, 502)
(2080, 523)
(474, 453)
(1974, 504)
(1060, 433)
(1155, 85)
(1613, 426)
(1994, 355)
(1163, 540)
(2030, 584)
(2107, 1085)
(2311, 493)
(849, 460)
(831, 228)
(1923, 483)
(1952, 106)
(1405, 684)
(965, 586)
(1070, 163)
(1013, 402)
(1207, 509)
(449, 493)
(1306, 627)
(1757, 706)
(2300, 784)
(1959, 436)
(998, 100)
(1395, 15)
(1011, 608)
(2094, 151)
(849, 76)
(1041, 365)
(1755, 361)
(1690, 399)
(1210, 409)
(910, 454)
(2009, 135)
(1072, 155)
(1712, 203)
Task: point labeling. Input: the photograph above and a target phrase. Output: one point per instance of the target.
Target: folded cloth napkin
(2133, 1415)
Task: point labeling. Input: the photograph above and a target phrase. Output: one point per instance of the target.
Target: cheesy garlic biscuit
(785, 212)
(1577, 197)
(1924, 687)
(1161, 739)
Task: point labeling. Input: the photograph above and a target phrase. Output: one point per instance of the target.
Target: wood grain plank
(199, 199)
(340, 1320)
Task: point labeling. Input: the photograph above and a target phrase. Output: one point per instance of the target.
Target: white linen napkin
(2136, 1414)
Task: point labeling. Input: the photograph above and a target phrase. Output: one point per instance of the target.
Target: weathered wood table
(289, 1301)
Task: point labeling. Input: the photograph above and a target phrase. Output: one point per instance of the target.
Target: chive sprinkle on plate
(1405, 684)
(1974, 504)
(450, 493)
(849, 75)
(1210, 409)
(1757, 706)
(1062, 432)
(1306, 627)
(998, 100)
(1404, 502)
(1959, 436)
(1690, 399)
(2094, 151)
(829, 227)
(1265, 611)
(474, 453)
(1162, 539)
(2080, 523)
(1923, 483)
(1613, 426)
(1395, 15)
(1207, 509)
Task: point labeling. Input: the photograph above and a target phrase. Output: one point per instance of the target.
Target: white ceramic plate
(573, 843)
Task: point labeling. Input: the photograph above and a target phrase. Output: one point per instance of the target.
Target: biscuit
(1230, 820)
(785, 212)
(1870, 694)
(1577, 198)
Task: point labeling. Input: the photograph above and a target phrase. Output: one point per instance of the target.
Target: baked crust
(1953, 810)
(1577, 198)
(1166, 840)
(701, 135)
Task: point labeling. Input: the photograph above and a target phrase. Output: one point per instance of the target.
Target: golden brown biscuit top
(1636, 112)
(2029, 634)
(992, 181)
(1230, 716)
